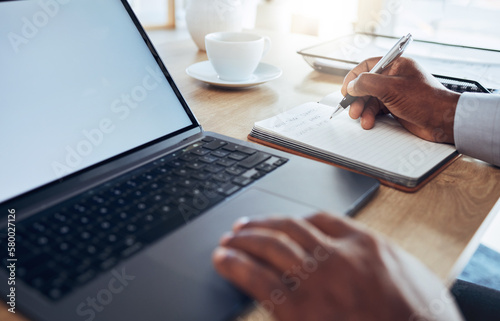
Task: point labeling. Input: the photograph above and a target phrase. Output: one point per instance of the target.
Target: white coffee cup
(236, 55)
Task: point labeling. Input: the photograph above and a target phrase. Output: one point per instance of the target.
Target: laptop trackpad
(186, 254)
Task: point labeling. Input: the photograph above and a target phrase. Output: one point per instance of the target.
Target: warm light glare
(331, 17)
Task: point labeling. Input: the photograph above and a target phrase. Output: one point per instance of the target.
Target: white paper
(388, 146)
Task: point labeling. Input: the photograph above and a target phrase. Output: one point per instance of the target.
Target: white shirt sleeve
(477, 126)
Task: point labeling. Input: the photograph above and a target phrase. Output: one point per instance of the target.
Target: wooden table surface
(440, 224)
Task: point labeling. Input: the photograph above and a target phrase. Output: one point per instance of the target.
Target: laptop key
(266, 167)
(220, 153)
(174, 191)
(181, 172)
(254, 160)
(235, 170)
(214, 168)
(195, 165)
(110, 240)
(228, 189)
(226, 162)
(230, 147)
(200, 175)
(189, 157)
(223, 177)
(215, 144)
(207, 139)
(246, 150)
(175, 163)
(187, 183)
(242, 181)
(234, 147)
(280, 162)
(209, 159)
(237, 156)
(200, 151)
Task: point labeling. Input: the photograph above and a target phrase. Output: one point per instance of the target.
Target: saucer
(205, 72)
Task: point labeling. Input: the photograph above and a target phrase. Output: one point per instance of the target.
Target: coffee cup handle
(267, 45)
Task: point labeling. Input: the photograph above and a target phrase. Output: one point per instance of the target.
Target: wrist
(445, 117)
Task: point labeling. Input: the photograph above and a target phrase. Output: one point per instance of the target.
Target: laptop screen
(76, 91)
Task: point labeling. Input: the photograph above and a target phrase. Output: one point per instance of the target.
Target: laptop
(112, 196)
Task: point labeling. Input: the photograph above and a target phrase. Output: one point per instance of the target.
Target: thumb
(369, 84)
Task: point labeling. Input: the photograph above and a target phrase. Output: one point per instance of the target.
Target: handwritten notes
(388, 147)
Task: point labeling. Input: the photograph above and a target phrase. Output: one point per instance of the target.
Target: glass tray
(340, 55)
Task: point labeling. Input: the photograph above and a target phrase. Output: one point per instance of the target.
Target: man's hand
(327, 268)
(413, 96)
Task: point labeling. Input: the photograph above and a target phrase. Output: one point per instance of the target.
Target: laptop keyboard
(66, 246)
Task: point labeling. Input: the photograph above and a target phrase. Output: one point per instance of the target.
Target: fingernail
(220, 253)
(350, 86)
(225, 238)
(240, 223)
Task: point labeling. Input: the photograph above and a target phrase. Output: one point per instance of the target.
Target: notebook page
(388, 146)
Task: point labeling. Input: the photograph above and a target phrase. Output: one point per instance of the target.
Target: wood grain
(435, 224)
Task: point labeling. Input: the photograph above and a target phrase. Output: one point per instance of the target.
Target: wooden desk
(440, 224)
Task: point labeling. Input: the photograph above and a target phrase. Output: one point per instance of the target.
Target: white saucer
(205, 72)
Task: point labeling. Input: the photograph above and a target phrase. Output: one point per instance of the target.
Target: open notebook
(388, 151)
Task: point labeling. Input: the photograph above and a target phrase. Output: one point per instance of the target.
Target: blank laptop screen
(78, 85)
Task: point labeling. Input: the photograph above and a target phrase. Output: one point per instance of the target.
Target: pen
(383, 63)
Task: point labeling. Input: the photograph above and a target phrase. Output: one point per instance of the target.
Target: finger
(372, 109)
(272, 247)
(364, 66)
(369, 84)
(332, 225)
(367, 109)
(302, 232)
(246, 273)
(357, 107)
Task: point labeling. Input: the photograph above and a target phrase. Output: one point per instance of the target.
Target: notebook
(113, 197)
(388, 151)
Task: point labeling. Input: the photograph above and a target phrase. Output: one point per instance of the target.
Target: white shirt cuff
(477, 126)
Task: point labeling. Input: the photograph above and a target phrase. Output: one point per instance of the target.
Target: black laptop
(112, 195)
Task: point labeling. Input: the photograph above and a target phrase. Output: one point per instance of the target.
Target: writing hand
(412, 95)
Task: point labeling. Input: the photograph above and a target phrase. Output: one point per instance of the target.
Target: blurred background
(468, 22)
